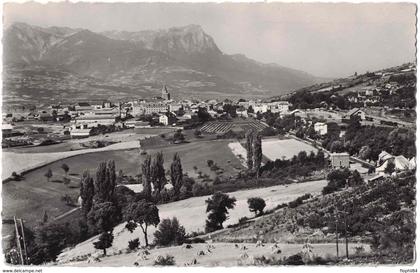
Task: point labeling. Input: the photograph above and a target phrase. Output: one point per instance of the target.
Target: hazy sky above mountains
(328, 40)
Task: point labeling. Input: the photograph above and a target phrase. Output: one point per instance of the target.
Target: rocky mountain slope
(186, 58)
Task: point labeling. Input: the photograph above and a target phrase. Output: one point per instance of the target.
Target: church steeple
(165, 93)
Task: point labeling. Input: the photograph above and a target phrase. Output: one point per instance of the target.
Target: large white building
(281, 107)
(149, 108)
(321, 128)
(340, 160)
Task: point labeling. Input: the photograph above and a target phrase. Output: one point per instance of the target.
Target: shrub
(294, 260)
(163, 261)
(243, 220)
(299, 201)
(133, 244)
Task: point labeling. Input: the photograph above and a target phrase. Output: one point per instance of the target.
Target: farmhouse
(355, 112)
(167, 119)
(401, 163)
(321, 128)
(80, 131)
(340, 160)
(95, 120)
(136, 124)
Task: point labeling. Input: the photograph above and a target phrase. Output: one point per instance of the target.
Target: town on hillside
(158, 149)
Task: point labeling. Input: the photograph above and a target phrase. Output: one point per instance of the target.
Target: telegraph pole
(347, 239)
(336, 234)
(18, 241)
(23, 238)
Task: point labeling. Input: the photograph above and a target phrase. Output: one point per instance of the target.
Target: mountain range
(122, 63)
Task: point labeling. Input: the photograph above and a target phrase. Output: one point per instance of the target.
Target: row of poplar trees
(99, 205)
(154, 174)
(253, 147)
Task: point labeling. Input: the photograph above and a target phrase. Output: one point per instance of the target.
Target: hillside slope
(379, 213)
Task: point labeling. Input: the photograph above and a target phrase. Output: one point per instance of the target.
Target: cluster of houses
(83, 116)
(250, 108)
(400, 163)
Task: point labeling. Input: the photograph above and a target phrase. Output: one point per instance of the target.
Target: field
(277, 149)
(29, 198)
(221, 127)
(239, 151)
(191, 213)
(28, 161)
(223, 254)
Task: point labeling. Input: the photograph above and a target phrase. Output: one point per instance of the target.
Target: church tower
(165, 93)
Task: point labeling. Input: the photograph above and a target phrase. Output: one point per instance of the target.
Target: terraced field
(221, 127)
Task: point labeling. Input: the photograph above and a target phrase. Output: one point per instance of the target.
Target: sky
(324, 39)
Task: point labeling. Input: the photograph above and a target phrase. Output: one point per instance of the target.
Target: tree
(355, 179)
(48, 175)
(249, 150)
(104, 241)
(337, 179)
(210, 162)
(87, 191)
(337, 146)
(302, 157)
(105, 181)
(170, 232)
(176, 174)
(390, 167)
(257, 153)
(65, 168)
(203, 115)
(50, 240)
(143, 214)
(217, 207)
(364, 152)
(146, 176)
(45, 217)
(256, 205)
(104, 216)
(158, 173)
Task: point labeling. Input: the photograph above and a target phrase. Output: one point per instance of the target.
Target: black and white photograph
(147, 135)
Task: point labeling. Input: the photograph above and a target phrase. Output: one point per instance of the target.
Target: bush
(294, 260)
(163, 261)
(243, 220)
(133, 244)
(299, 201)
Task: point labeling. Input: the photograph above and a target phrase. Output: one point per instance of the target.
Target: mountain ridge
(186, 58)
